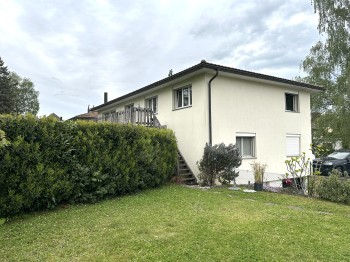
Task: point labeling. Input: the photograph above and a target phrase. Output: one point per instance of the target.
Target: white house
(267, 117)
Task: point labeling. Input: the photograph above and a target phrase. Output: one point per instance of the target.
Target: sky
(75, 50)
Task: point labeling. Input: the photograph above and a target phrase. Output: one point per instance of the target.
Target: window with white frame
(128, 112)
(183, 97)
(293, 145)
(292, 102)
(152, 103)
(245, 143)
(129, 107)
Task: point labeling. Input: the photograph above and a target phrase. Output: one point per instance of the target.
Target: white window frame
(152, 103)
(176, 97)
(129, 106)
(295, 101)
(293, 145)
(252, 136)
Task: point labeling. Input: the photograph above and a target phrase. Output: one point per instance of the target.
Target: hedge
(49, 162)
(333, 188)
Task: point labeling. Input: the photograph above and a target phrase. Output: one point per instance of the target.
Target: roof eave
(220, 68)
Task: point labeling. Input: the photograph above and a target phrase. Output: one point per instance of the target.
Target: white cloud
(75, 50)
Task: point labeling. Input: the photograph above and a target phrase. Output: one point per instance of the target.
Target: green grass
(176, 223)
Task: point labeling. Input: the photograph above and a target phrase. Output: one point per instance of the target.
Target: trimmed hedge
(333, 188)
(50, 162)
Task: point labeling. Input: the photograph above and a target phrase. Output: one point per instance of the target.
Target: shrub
(299, 168)
(219, 162)
(49, 162)
(334, 188)
(3, 141)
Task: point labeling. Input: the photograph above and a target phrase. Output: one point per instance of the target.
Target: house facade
(268, 118)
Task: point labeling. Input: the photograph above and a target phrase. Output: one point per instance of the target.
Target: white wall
(237, 106)
(247, 106)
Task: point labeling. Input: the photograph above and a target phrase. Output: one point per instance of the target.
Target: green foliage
(3, 141)
(7, 90)
(17, 94)
(334, 188)
(50, 162)
(219, 162)
(299, 168)
(26, 96)
(321, 150)
(328, 65)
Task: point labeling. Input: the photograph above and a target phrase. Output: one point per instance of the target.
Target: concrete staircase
(184, 172)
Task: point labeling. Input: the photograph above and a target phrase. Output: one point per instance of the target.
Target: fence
(133, 115)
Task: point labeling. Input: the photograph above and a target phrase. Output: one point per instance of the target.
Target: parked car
(339, 160)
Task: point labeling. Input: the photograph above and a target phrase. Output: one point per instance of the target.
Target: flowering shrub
(287, 182)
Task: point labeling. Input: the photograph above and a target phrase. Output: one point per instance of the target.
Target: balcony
(134, 115)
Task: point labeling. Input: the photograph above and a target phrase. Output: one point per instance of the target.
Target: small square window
(292, 103)
(246, 145)
(183, 97)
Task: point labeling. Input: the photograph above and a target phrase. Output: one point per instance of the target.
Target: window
(292, 102)
(129, 113)
(245, 143)
(183, 97)
(293, 145)
(129, 107)
(152, 104)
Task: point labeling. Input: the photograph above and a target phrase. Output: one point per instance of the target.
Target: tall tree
(26, 96)
(328, 64)
(7, 91)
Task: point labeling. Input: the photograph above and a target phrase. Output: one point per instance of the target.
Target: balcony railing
(134, 115)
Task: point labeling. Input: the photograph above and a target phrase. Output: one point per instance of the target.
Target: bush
(334, 188)
(48, 162)
(299, 169)
(219, 162)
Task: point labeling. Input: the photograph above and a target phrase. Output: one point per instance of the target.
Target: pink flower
(287, 182)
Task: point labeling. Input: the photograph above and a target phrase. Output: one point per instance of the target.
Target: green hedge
(333, 188)
(49, 162)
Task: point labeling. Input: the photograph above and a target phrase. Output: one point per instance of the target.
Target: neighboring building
(89, 116)
(59, 118)
(267, 117)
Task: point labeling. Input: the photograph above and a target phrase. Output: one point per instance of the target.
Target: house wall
(237, 106)
(190, 124)
(251, 107)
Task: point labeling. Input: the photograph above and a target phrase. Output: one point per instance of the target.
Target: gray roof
(205, 65)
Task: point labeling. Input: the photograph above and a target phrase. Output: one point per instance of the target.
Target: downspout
(209, 88)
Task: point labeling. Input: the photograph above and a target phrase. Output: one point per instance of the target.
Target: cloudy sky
(74, 50)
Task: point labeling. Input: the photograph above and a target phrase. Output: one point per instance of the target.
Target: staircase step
(185, 172)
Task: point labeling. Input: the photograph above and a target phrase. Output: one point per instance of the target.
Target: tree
(17, 94)
(7, 91)
(26, 96)
(219, 161)
(328, 65)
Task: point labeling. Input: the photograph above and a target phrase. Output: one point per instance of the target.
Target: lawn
(177, 223)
